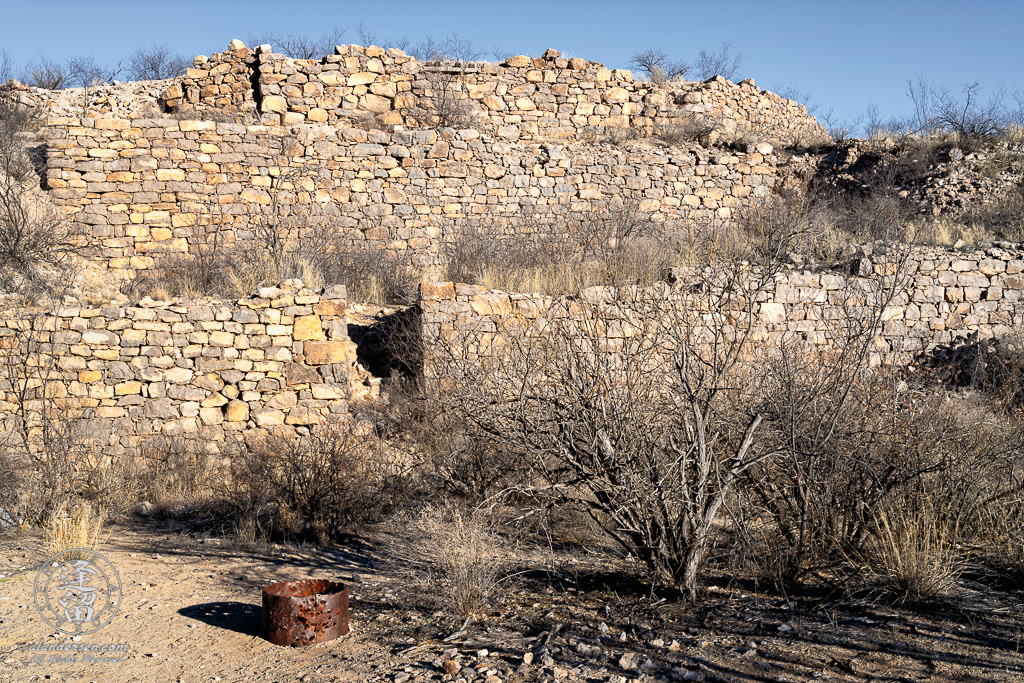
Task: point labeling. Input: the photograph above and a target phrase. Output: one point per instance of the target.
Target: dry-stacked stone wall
(547, 97)
(145, 187)
(207, 370)
(223, 82)
(943, 295)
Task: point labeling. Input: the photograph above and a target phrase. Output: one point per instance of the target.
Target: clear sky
(844, 54)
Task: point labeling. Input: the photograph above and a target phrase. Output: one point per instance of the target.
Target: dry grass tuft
(913, 554)
(73, 526)
(453, 555)
(617, 248)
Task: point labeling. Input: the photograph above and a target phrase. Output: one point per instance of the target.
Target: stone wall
(549, 97)
(222, 82)
(144, 187)
(213, 371)
(948, 294)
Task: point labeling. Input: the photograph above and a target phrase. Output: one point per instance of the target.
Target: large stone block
(326, 352)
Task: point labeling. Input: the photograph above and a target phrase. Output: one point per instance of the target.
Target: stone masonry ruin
(328, 142)
(248, 135)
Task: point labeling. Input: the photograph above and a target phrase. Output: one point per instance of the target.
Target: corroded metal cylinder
(300, 613)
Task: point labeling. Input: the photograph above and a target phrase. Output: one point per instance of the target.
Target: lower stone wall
(207, 370)
(944, 295)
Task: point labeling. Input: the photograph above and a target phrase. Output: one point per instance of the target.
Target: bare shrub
(452, 48)
(322, 487)
(1001, 217)
(372, 274)
(465, 462)
(301, 45)
(793, 220)
(10, 488)
(877, 215)
(841, 130)
(454, 556)
(685, 127)
(974, 124)
(174, 476)
(993, 366)
(34, 236)
(630, 403)
(41, 435)
(869, 461)
(77, 71)
(443, 103)
(719, 63)
(155, 62)
(207, 271)
(658, 67)
(6, 65)
(848, 445)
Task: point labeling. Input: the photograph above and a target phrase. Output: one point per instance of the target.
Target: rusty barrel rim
(305, 612)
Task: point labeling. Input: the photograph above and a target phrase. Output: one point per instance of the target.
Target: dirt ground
(191, 612)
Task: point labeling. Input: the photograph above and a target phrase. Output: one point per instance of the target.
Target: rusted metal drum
(300, 613)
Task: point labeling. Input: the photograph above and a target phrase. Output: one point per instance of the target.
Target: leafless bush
(452, 48)
(993, 366)
(155, 62)
(794, 220)
(300, 45)
(173, 475)
(322, 486)
(974, 124)
(841, 130)
(879, 215)
(6, 66)
(630, 403)
(1002, 216)
(34, 236)
(453, 556)
(41, 435)
(466, 463)
(443, 103)
(870, 462)
(10, 488)
(685, 127)
(720, 63)
(372, 274)
(208, 271)
(658, 67)
(78, 71)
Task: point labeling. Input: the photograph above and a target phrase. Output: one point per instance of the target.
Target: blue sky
(845, 54)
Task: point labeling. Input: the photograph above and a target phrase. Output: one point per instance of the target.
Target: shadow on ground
(239, 617)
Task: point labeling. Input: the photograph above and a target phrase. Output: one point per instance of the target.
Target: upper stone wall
(548, 97)
(144, 187)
